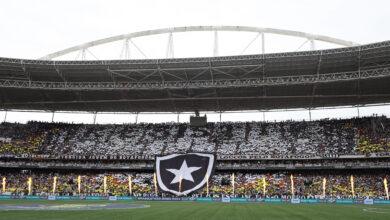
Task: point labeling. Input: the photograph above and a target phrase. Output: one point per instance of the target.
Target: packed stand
(260, 185)
(352, 136)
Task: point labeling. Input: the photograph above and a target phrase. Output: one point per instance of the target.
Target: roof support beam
(26, 73)
(111, 74)
(262, 43)
(250, 71)
(125, 52)
(250, 43)
(171, 99)
(212, 80)
(173, 75)
(168, 92)
(358, 81)
(149, 75)
(312, 44)
(215, 50)
(225, 83)
(193, 98)
(121, 75)
(139, 50)
(199, 74)
(59, 73)
(205, 67)
(199, 28)
(300, 46)
(211, 71)
(225, 73)
(314, 86)
(170, 50)
(263, 74)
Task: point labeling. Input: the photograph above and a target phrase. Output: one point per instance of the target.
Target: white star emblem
(183, 173)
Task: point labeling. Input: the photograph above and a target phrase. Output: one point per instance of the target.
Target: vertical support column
(83, 54)
(220, 116)
(263, 116)
(125, 53)
(309, 114)
(170, 51)
(94, 117)
(312, 44)
(215, 51)
(262, 43)
(358, 111)
(136, 117)
(178, 117)
(5, 116)
(319, 66)
(52, 117)
(358, 82)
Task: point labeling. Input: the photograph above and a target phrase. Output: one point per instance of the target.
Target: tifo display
(317, 160)
(327, 138)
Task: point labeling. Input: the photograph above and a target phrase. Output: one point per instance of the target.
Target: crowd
(42, 183)
(269, 185)
(220, 165)
(306, 185)
(362, 136)
(77, 164)
(342, 163)
(352, 136)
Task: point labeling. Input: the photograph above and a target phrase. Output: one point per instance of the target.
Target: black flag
(191, 169)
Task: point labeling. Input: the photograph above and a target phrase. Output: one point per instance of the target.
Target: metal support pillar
(178, 117)
(220, 116)
(125, 53)
(312, 45)
(215, 51)
(83, 54)
(5, 116)
(250, 43)
(139, 50)
(262, 43)
(170, 51)
(94, 117)
(52, 117)
(309, 114)
(136, 118)
(358, 82)
(358, 111)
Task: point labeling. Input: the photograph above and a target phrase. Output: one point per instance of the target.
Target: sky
(32, 29)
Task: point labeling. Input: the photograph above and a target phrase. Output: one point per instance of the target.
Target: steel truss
(356, 49)
(260, 31)
(266, 81)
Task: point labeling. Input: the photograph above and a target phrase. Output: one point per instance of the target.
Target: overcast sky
(31, 29)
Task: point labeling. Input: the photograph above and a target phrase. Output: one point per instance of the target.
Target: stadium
(191, 161)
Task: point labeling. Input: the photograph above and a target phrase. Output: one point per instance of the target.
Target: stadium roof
(344, 76)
